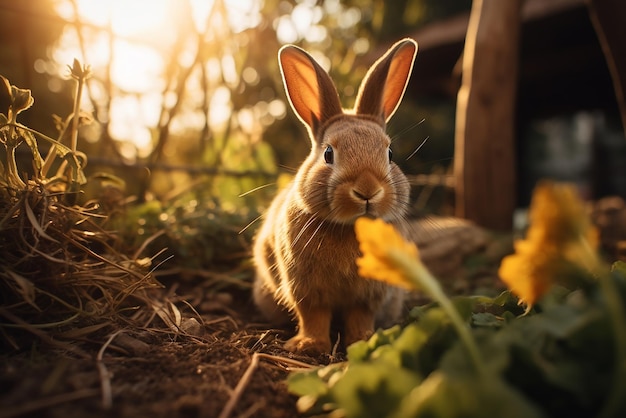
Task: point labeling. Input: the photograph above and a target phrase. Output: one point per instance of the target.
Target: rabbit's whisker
(256, 189)
(417, 149)
(407, 129)
(252, 222)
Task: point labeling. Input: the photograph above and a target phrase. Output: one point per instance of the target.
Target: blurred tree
(216, 66)
(396, 18)
(28, 29)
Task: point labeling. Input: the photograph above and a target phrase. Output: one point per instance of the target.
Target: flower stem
(425, 281)
(615, 399)
(75, 116)
(12, 173)
(13, 176)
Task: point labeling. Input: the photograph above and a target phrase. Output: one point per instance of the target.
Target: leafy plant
(58, 263)
(476, 356)
(197, 231)
(12, 134)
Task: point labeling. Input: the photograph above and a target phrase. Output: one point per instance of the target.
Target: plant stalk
(76, 116)
(424, 280)
(12, 172)
(617, 394)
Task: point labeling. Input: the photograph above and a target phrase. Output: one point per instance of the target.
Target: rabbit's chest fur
(315, 260)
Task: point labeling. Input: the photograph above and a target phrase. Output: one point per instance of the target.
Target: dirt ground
(222, 361)
(225, 363)
(228, 366)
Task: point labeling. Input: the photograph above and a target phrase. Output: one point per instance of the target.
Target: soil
(220, 360)
(225, 363)
(159, 373)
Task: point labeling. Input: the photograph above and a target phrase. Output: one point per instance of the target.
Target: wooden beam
(453, 29)
(484, 161)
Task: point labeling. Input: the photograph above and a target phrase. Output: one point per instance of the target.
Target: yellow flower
(529, 272)
(557, 215)
(382, 246)
(560, 233)
(388, 257)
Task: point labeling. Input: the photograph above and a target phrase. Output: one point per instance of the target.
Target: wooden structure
(484, 162)
(510, 61)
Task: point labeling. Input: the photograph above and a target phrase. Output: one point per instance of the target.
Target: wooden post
(484, 161)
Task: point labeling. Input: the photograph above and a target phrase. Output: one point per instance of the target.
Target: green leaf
(61, 149)
(388, 354)
(30, 140)
(486, 320)
(22, 99)
(560, 358)
(312, 387)
(563, 321)
(505, 298)
(361, 350)
(78, 176)
(307, 383)
(434, 319)
(372, 390)
(445, 396)
(409, 346)
(465, 305)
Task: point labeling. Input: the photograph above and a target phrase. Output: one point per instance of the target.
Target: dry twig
(105, 377)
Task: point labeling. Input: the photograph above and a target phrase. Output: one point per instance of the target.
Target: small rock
(191, 326)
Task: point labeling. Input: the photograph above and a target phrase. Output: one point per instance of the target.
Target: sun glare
(133, 41)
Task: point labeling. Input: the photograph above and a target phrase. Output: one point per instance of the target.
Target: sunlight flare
(134, 43)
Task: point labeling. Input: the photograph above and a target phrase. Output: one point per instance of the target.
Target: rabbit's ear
(310, 90)
(383, 87)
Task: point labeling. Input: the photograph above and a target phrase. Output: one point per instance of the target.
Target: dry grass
(63, 275)
(62, 270)
(219, 362)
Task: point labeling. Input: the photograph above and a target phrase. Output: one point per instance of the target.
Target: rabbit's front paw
(359, 324)
(307, 345)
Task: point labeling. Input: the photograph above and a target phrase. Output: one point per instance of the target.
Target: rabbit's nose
(367, 195)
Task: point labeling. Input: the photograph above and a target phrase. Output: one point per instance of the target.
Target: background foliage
(219, 61)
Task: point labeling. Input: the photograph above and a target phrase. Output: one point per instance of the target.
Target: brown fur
(306, 249)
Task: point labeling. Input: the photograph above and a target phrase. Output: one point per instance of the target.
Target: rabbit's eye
(390, 155)
(329, 156)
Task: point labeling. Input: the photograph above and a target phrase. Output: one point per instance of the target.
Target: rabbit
(305, 251)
